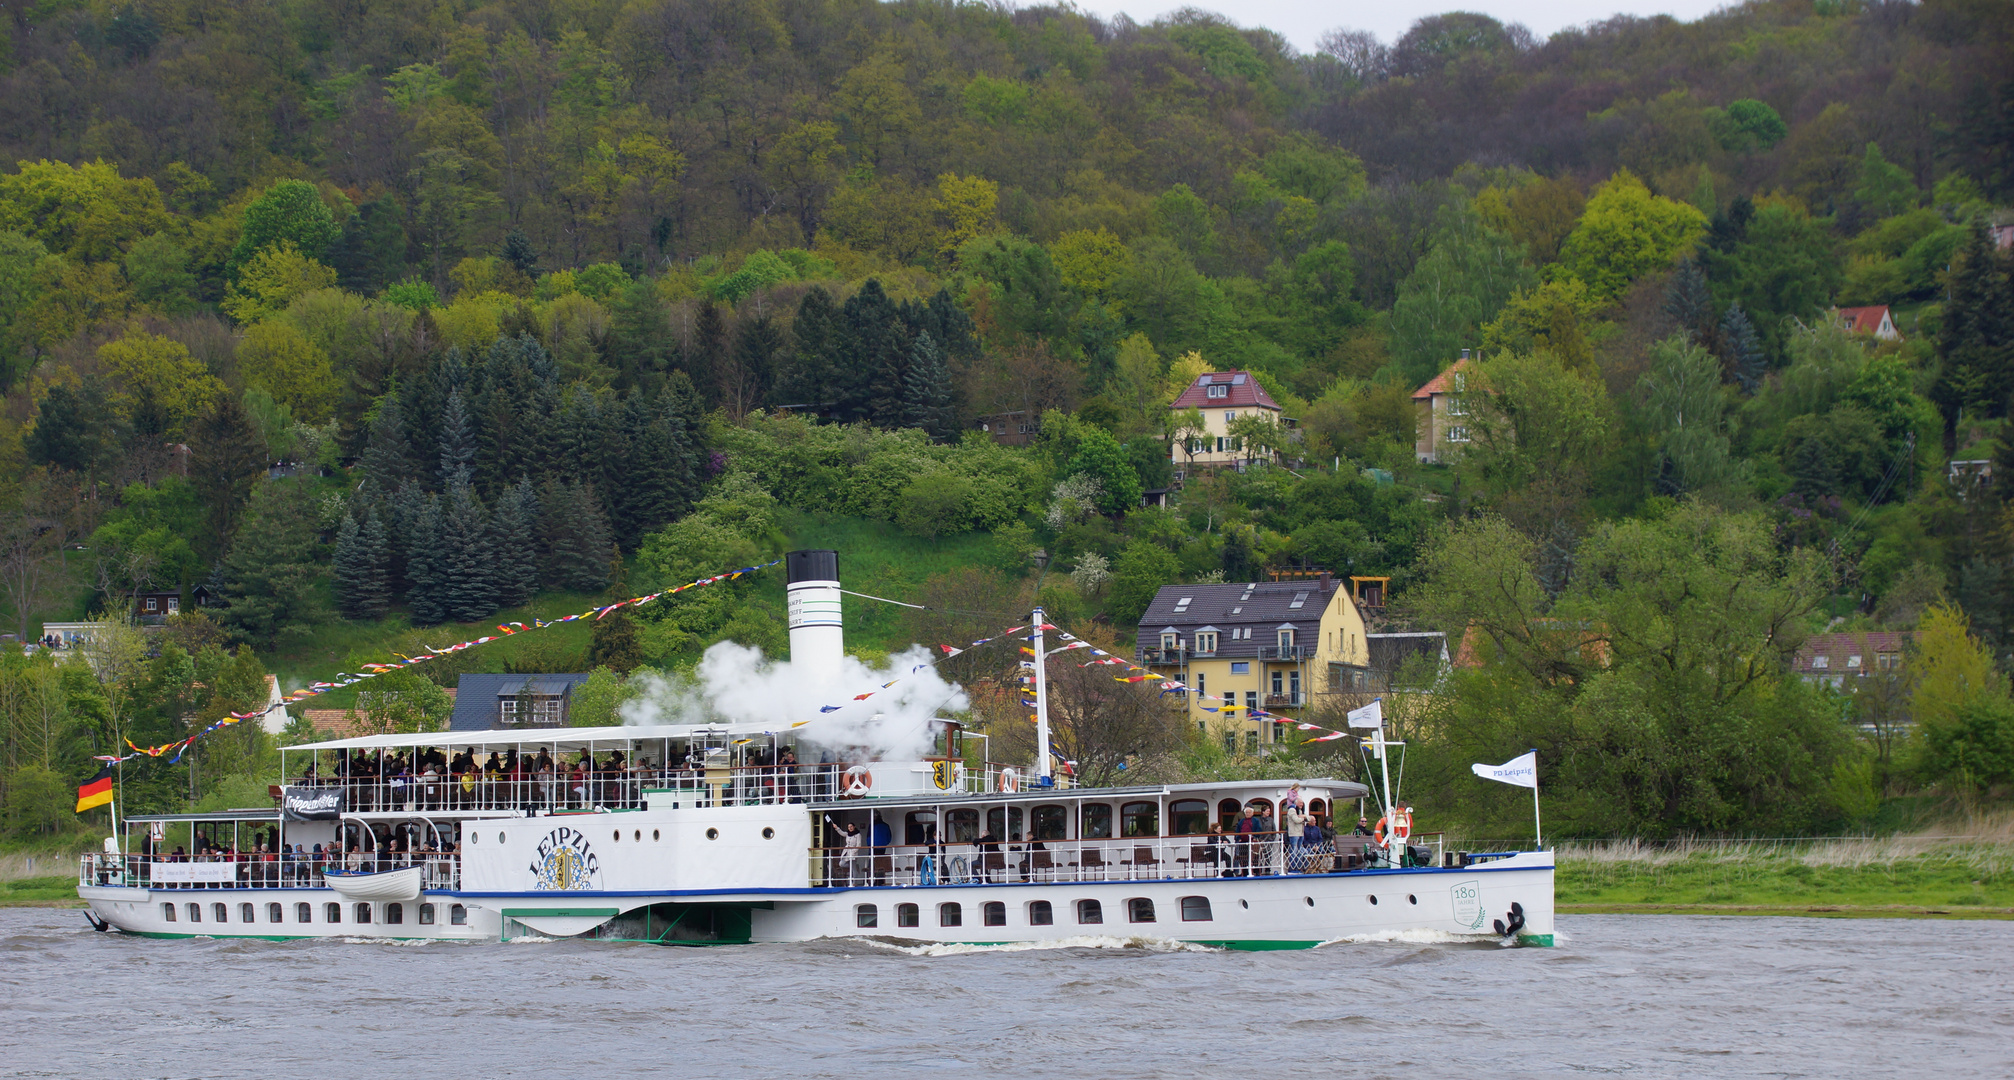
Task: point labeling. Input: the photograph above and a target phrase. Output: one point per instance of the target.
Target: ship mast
(1041, 706)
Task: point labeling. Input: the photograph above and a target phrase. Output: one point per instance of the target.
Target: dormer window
(1168, 642)
(1286, 638)
(1217, 390)
(1820, 663)
(1206, 641)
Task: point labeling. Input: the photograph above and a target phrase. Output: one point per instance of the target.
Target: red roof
(1848, 653)
(1440, 384)
(1244, 390)
(1863, 320)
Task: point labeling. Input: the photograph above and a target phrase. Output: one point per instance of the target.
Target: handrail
(256, 871)
(1124, 858)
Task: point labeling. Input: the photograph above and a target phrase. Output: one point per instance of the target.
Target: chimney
(817, 638)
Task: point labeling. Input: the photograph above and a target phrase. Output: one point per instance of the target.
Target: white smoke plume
(737, 684)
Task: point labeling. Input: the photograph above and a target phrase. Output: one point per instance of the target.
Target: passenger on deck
(852, 860)
(988, 844)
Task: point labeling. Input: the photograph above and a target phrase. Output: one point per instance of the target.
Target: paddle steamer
(754, 832)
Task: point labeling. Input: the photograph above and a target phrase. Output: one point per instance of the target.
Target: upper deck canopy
(566, 738)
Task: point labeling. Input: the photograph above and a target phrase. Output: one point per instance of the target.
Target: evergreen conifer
(514, 545)
(1744, 348)
(360, 568)
(424, 563)
(926, 390)
(465, 571)
(576, 537)
(458, 442)
(637, 335)
(388, 453)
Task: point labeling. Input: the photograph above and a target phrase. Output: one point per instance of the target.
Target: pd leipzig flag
(96, 791)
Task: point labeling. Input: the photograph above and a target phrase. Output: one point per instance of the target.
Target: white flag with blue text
(1370, 716)
(1521, 771)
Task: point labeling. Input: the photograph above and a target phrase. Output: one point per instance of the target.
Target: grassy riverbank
(1925, 876)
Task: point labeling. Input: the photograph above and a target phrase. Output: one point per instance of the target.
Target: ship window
(246, 914)
(332, 913)
(908, 915)
(222, 913)
(1140, 909)
(1097, 823)
(962, 826)
(458, 915)
(195, 913)
(426, 914)
(275, 913)
(950, 915)
(1010, 826)
(304, 912)
(1052, 822)
(1227, 809)
(1189, 817)
(994, 913)
(1090, 912)
(168, 912)
(1140, 819)
(866, 916)
(395, 914)
(1195, 909)
(363, 913)
(1040, 913)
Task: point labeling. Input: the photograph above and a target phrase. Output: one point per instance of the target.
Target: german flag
(96, 791)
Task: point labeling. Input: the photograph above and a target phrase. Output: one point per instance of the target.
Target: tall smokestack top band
(813, 565)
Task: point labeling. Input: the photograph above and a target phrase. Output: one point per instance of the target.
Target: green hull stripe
(1543, 941)
(560, 912)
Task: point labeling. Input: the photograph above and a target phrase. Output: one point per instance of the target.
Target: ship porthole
(500, 838)
(1246, 904)
(653, 836)
(768, 834)
(713, 834)
(1411, 899)
(639, 836)
(1374, 901)
(617, 836)
(1309, 900)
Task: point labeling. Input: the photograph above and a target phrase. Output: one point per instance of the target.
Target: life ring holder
(1010, 780)
(856, 782)
(1397, 825)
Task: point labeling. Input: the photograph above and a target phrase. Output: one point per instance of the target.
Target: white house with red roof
(1223, 397)
(1868, 320)
(1440, 424)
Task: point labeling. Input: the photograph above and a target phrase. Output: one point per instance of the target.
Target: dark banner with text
(311, 803)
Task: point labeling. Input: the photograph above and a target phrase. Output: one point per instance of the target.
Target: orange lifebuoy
(1010, 781)
(858, 782)
(1398, 824)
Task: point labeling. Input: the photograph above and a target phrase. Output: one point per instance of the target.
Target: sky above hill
(1304, 21)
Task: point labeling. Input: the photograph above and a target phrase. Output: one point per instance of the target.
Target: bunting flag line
(371, 671)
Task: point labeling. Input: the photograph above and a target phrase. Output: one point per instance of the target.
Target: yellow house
(1221, 397)
(1440, 423)
(1266, 646)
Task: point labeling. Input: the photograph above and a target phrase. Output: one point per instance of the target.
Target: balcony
(1285, 701)
(1286, 653)
(1164, 656)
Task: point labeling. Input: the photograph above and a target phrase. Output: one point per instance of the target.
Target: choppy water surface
(1630, 995)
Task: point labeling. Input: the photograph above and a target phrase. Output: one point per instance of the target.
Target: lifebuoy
(858, 782)
(1010, 781)
(1399, 824)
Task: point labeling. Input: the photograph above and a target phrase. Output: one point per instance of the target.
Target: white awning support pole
(1041, 703)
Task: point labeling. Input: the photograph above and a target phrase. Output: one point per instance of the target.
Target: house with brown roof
(1868, 320)
(1223, 397)
(1840, 661)
(1440, 425)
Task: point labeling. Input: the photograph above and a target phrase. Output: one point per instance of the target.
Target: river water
(1640, 996)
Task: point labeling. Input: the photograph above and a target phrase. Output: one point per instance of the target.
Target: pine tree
(360, 568)
(388, 454)
(272, 579)
(817, 338)
(467, 592)
(425, 596)
(614, 644)
(576, 537)
(745, 384)
(703, 359)
(1687, 302)
(926, 390)
(867, 384)
(458, 442)
(637, 336)
(226, 457)
(514, 545)
(518, 252)
(1744, 348)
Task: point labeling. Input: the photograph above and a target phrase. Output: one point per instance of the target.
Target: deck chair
(1094, 859)
(1144, 862)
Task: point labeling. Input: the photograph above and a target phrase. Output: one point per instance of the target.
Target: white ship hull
(1268, 912)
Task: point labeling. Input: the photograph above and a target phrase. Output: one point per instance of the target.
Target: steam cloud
(737, 684)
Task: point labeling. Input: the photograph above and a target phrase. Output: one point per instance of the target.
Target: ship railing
(1131, 858)
(257, 871)
(604, 789)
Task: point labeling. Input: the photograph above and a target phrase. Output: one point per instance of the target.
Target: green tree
(159, 271)
(1687, 415)
(1142, 568)
(1627, 232)
(1786, 266)
(226, 457)
(272, 279)
(1746, 126)
(290, 213)
(160, 387)
(613, 645)
(1464, 280)
(275, 356)
(514, 545)
(362, 560)
(1100, 457)
(464, 563)
(1885, 189)
(272, 575)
